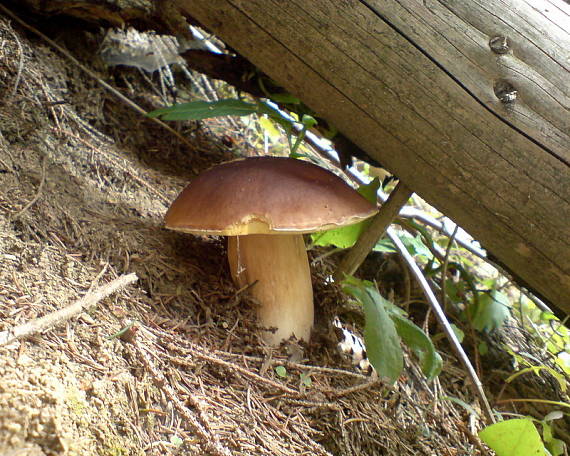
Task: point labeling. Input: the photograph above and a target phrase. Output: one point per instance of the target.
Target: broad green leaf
(197, 110)
(344, 237)
(380, 336)
(347, 236)
(556, 447)
(420, 344)
(491, 312)
(517, 437)
(414, 245)
(370, 190)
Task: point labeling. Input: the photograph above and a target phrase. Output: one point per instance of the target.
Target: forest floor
(84, 184)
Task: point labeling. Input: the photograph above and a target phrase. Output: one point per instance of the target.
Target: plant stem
(477, 386)
(368, 239)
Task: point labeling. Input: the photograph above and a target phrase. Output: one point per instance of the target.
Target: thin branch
(444, 269)
(368, 239)
(409, 212)
(477, 386)
(236, 369)
(62, 315)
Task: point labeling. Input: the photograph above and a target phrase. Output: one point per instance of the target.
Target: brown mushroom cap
(263, 195)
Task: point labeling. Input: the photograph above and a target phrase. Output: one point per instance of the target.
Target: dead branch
(62, 315)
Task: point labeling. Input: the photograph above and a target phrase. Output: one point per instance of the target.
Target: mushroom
(265, 205)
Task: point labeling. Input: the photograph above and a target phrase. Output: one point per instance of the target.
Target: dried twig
(444, 268)
(238, 369)
(59, 316)
(477, 386)
(368, 239)
(360, 387)
(210, 440)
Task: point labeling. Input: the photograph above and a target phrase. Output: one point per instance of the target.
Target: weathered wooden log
(479, 128)
(467, 103)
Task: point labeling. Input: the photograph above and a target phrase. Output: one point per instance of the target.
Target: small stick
(368, 239)
(357, 388)
(59, 316)
(238, 369)
(444, 269)
(477, 386)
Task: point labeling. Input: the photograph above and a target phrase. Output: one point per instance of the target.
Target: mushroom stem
(284, 291)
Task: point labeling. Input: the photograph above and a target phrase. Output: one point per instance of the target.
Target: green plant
(198, 110)
(386, 326)
(516, 437)
(520, 437)
(347, 236)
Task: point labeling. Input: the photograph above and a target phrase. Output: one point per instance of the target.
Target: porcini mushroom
(265, 205)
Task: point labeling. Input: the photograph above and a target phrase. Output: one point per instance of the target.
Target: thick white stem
(279, 264)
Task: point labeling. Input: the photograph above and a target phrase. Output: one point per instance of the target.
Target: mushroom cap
(264, 195)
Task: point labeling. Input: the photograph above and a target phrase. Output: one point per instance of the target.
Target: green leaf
(267, 124)
(285, 98)
(483, 348)
(517, 437)
(370, 190)
(556, 447)
(197, 110)
(420, 344)
(281, 371)
(414, 245)
(385, 245)
(306, 379)
(380, 336)
(491, 311)
(347, 236)
(274, 114)
(458, 332)
(344, 237)
(308, 121)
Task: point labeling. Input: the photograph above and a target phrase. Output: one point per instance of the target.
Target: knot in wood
(505, 91)
(499, 44)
